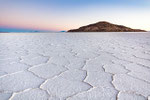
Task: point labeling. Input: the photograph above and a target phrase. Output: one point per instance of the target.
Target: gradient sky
(58, 15)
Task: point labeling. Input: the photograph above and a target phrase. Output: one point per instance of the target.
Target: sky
(63, 15)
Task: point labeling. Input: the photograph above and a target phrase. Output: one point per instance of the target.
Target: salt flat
(74, 66)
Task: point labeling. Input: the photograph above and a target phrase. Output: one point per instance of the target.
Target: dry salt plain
(73, 66)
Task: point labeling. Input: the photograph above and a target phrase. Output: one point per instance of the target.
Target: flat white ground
(75, 66)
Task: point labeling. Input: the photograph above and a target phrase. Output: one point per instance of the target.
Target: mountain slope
(105, 27)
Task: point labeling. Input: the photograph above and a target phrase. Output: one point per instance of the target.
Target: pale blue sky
(57, 15)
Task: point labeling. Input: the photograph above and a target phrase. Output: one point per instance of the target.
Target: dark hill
(105, 27)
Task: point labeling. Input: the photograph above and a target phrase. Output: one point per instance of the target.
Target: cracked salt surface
(34, 94)
(47, 70)
(100, 93)
(5, 96)
(19, 81)
(73, 66)
(130, 96)
(64, 88)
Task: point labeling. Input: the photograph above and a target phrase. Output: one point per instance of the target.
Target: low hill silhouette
(105, 27)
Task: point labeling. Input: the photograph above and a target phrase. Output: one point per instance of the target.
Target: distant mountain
(62, 31)
(105, 27)
(18, 30)
(3, 32)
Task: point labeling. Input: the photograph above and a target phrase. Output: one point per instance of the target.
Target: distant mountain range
(105, 27)
(62, 31)
(18, 30)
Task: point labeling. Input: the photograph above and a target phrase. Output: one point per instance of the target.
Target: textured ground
(63, 66)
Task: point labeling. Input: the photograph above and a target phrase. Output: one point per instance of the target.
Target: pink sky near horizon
(32, 16)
